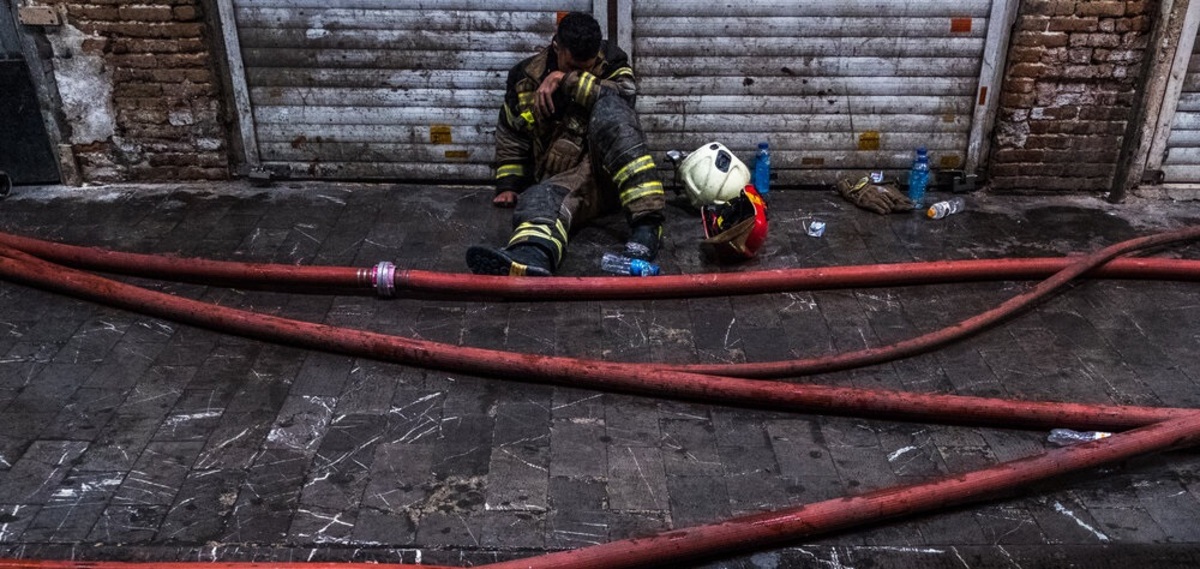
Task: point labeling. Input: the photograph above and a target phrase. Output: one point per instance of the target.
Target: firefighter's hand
(505, 199)
(564, 153)
(543, 104)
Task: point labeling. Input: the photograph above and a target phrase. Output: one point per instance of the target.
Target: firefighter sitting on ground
(569, 148)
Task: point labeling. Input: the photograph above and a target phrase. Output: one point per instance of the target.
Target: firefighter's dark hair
(579, 33)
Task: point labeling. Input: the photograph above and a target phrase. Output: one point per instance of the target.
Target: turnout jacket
(522, 138)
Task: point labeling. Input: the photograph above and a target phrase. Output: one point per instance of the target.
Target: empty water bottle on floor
(918, 179)
(622, 265)
(948, 207)
(1064, 437)
(762, 169)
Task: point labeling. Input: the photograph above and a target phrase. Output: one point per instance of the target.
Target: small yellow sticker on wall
(812, 161)
(869, 140)
(950, 161)
(440, 134)
(457, 155)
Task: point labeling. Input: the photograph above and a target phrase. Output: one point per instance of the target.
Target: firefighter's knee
(540, 202)
(613, 123)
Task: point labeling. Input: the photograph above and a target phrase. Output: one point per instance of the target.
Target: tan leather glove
(564, 154)
(879, 198)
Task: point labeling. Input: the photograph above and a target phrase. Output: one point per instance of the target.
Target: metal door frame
(991, 82)
(237, 84)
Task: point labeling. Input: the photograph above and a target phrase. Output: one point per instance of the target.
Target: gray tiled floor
(129, 437)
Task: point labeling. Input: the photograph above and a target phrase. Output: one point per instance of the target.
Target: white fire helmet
(713, 175)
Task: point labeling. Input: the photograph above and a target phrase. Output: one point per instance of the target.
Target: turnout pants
(617, 172)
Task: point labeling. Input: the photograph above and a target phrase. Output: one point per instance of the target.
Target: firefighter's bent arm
(585, 88)
(514, 139)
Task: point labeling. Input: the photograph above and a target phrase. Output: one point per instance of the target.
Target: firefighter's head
(577, 42)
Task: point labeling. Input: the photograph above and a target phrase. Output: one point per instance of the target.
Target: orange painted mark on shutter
(558, 16)
(983, 94)
(457, 154)
(869, 140)
(950, 161)
(960, 25)
(440, 134)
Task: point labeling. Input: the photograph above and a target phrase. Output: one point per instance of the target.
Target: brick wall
(154, 57)
(1068, 94)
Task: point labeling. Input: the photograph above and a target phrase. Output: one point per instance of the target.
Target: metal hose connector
(383, 277)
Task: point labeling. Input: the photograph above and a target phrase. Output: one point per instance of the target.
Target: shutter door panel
(1182, 162)
(836, 87)
(390, 78)
(808, 8)
(364, 89)
(865, 26)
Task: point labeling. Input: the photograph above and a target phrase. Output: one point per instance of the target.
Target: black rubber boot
(516, 261)
(644, 241)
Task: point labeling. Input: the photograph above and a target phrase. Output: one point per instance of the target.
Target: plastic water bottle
(1064, 437)
(622, 265)
(918, 179)
(948, 207)
(762, 169)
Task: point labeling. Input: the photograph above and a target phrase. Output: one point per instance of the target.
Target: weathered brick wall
(1069, 92)
(153, 60)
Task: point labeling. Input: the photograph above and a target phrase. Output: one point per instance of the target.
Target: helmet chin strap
(736, 230)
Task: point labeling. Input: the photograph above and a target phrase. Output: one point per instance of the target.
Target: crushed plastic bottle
(944, 208)
(762, 169)
(637, 251)
(622, 265)
(815, 228)
(918, 178)
(1065, 437)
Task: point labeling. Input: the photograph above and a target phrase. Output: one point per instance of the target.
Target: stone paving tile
(148, 439)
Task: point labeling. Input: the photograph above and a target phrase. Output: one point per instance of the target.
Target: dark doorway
(25, 152)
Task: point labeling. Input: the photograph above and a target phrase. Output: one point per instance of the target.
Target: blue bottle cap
(763, 146)
(638, 267)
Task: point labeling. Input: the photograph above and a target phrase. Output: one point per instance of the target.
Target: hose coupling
(383, 276)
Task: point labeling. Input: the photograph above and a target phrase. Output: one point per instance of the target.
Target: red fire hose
(76, 564)
(788, 525)
(147, 265)
(571, 372)
(949, 334)
(457, 285)
(1183, 428)
(775, 528)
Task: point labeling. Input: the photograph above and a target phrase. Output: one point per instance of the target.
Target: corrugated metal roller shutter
(360, 89)
(1182, 162)
(836, 87)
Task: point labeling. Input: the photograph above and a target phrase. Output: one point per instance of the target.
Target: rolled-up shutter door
(379, 89)
(1182, 161)
(837, 88)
